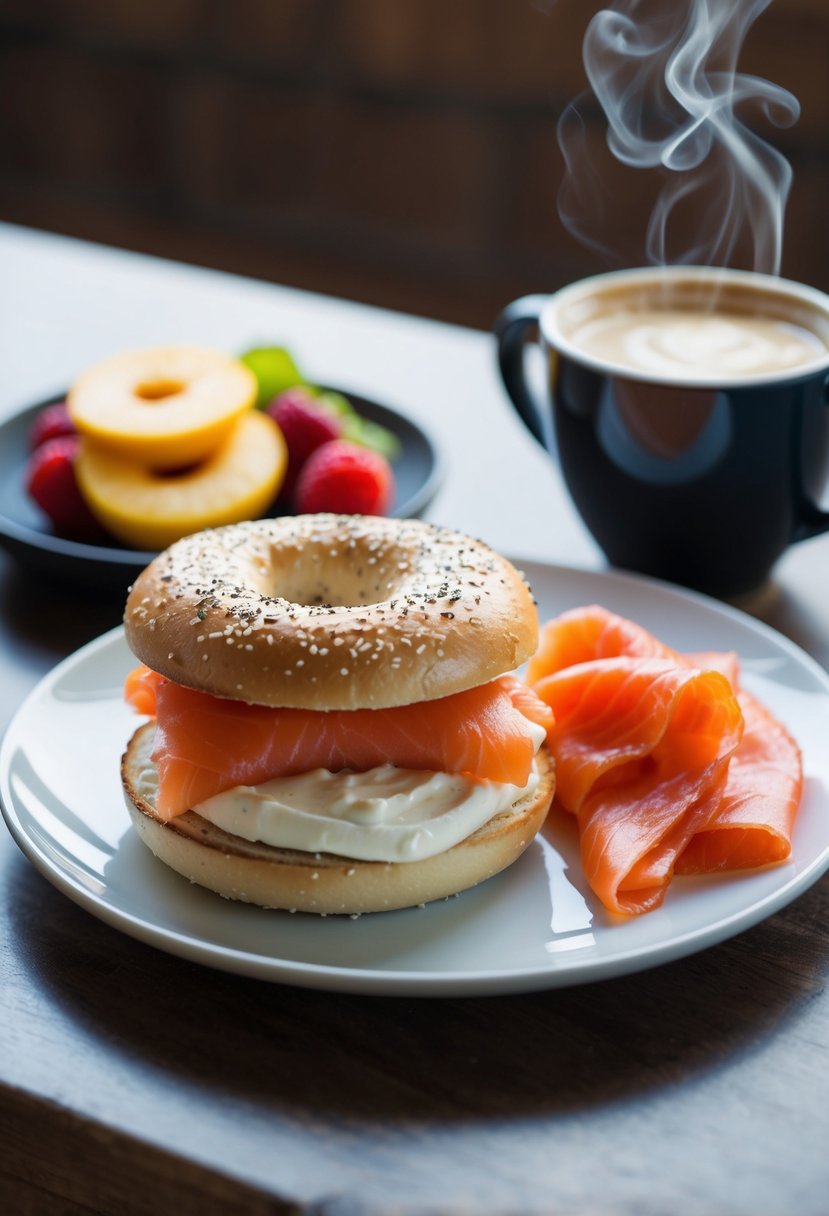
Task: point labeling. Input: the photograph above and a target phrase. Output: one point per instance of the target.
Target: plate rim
(426, 983)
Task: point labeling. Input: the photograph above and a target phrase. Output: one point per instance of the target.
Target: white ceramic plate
(535, 926)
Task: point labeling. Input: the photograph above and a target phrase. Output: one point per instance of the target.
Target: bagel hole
(320, 572)
(323, 594)
(158, 389)
(354, 587)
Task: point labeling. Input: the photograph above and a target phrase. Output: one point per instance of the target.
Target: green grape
(274, 369)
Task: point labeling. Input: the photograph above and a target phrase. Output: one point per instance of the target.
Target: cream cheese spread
(385, 814)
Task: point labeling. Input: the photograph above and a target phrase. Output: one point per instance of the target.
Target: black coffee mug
(693, 467)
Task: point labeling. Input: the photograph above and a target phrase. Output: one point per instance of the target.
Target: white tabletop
(64, 304)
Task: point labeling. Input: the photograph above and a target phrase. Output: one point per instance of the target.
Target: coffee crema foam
(692, 344)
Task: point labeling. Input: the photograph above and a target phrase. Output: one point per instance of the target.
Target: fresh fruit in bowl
(158, 443)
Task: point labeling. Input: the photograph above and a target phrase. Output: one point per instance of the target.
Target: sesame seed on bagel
(331, 612)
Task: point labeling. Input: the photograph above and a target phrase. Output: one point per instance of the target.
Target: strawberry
(51, 482)
(50, 422)
(346, 479)
(305, 426)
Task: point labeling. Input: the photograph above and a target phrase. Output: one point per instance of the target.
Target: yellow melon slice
(149, 509)
(164, 407)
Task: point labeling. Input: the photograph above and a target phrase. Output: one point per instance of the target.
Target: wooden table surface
(134, 1082)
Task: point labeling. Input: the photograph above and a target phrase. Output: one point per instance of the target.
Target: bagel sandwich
(333, 723)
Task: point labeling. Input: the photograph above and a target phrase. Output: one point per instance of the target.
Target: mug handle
(813, 521)
(511, 331)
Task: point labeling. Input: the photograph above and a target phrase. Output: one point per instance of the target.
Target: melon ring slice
(163, 407)
(149, 509)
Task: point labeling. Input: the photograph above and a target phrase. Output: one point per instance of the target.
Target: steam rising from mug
(667, 82)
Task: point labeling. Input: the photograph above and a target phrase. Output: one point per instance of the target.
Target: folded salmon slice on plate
(668, 766)
(205, 745)
(586, 634)
(756, 815)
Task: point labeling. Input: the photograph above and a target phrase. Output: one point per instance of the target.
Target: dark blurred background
(398, 152)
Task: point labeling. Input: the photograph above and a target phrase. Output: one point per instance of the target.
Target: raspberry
(51, 482)
(346, 479)
(305, 427)
(50, 422)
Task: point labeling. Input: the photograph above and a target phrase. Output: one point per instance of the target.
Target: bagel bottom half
(322, 882)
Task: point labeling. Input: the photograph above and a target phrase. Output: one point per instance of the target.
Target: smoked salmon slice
(642, 749)
(207, 744)
(668, 766)
(585, 634)
(754, 821)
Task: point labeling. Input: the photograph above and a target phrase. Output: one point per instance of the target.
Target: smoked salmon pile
(668, 765)
(205, 744)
